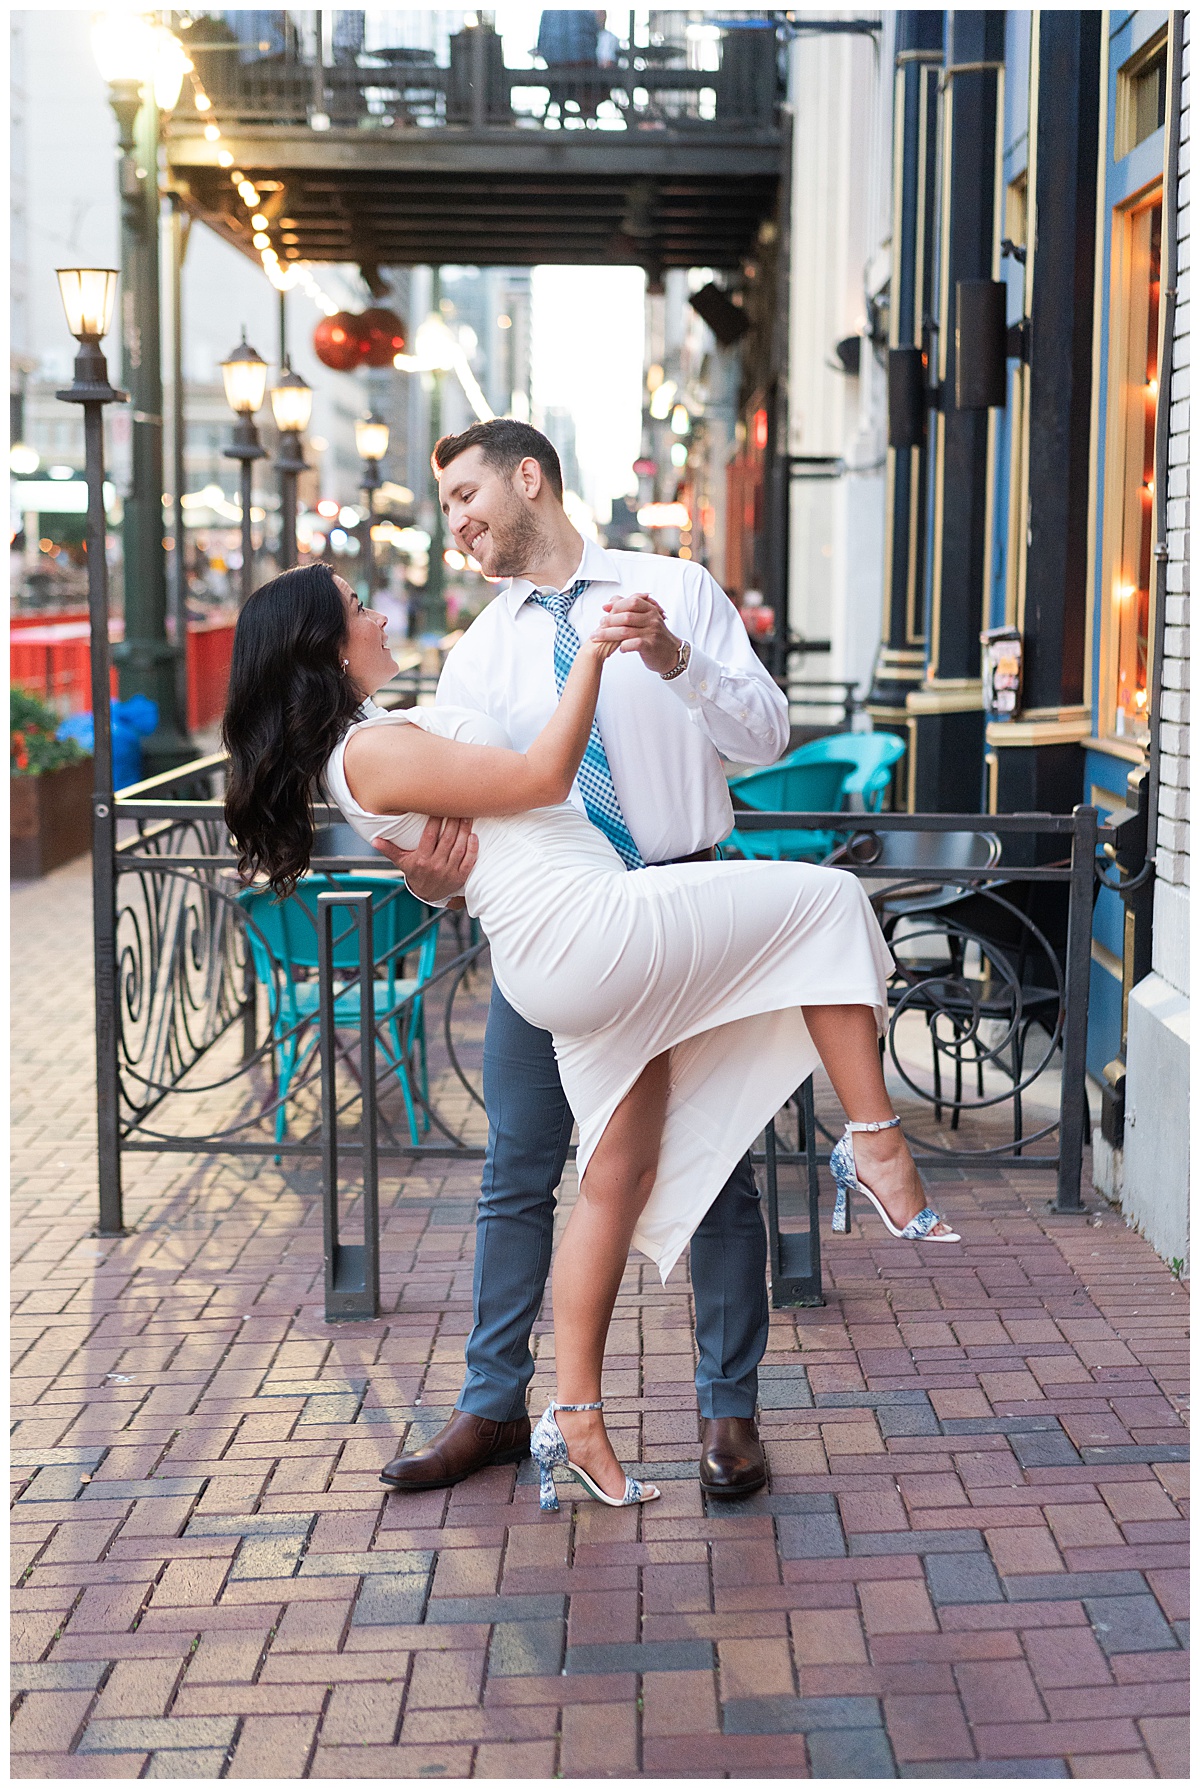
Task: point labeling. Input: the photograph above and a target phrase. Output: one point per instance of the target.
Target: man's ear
(528, 479)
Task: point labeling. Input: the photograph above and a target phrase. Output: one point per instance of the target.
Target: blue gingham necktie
(595, 777)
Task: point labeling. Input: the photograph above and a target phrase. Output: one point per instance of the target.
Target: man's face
(490, 513)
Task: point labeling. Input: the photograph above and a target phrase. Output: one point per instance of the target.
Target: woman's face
(369, 663)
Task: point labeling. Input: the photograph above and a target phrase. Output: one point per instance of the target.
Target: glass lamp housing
(245, 375)
(125, 47)
(371, 437)
(87, 295)
(291, 403)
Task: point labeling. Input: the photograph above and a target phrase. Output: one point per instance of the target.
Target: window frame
(1125, 425)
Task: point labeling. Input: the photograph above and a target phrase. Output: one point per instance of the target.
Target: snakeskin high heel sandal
(841, 1165)
(549, 1449)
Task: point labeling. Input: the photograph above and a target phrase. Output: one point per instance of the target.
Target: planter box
(51, 818)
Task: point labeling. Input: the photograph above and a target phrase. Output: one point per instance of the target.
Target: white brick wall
(1173, 855)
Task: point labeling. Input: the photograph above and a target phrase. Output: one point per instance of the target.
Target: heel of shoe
(843, 1180)
(548, 1449)
(840, 1222)
(549, 1495)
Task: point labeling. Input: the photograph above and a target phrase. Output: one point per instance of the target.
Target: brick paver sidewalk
(970, 1562)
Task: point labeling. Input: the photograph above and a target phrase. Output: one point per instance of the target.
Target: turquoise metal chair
(795, 789)
(283, 942)
(873, 754)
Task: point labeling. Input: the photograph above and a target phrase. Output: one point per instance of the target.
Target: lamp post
(245, 375)
(291, 406)
(371, 440)
(144, 66)
(87, 295)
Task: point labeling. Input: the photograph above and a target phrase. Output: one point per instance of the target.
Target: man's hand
(639, 625)
(439, 867)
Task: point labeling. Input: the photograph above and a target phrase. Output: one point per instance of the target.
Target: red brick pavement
(970, 1561)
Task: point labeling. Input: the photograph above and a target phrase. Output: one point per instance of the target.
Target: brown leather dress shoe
(732, 1462)
(467, 1444)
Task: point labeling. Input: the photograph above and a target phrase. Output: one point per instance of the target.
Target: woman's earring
(345, 666)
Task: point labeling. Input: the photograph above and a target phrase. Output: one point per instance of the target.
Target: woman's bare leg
(848, 1042)
(591, 1259)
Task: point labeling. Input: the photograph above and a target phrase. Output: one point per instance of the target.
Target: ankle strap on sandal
(883, 1124)
(598, 1406)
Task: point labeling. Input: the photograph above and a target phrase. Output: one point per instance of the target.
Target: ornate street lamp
(87, 295)
(371, 440)
(245, 374)
(144, 66)
(291, 405)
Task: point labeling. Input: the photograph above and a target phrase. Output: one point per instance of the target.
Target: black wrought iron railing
(724, 77)
(984, 1050)
(988, 1006)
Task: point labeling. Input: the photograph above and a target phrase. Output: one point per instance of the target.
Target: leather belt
(708, 855)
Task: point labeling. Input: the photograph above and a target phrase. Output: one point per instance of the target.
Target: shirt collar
(595, 565)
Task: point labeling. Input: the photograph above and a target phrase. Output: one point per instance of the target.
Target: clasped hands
(437, 870)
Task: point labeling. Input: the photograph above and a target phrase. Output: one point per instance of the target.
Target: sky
(588, 325)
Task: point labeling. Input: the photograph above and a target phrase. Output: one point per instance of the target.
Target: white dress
(712, 961)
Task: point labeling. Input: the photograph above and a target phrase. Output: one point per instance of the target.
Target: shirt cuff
(700, 681)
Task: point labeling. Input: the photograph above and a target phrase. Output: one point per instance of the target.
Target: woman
(687, 1002)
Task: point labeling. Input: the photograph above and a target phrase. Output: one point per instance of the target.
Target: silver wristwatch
(685, 653)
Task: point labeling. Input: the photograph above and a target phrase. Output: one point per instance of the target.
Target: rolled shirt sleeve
(729, 693)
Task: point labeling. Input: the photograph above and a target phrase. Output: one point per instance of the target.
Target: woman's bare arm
(403, 770)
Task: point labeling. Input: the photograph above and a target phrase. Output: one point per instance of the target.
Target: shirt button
(704, 685)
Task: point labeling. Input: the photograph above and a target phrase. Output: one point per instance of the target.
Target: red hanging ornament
(338, 342)
(382, 333)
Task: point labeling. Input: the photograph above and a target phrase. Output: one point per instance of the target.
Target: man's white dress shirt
(664, 741)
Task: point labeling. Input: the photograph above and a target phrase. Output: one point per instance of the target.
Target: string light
(284, 279)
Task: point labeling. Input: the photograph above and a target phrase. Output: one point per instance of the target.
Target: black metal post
(145, 657)
(247, 529)
(177, 593)
(900, 666)
(372, 479)
(795, 1256)
(946, 720)
(289, 464)
(246, 448)
(432, 606)
(1073, 1098)
(93, 391)
(351, 1270)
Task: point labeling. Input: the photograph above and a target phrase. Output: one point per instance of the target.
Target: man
(569, 42)
(656, 788)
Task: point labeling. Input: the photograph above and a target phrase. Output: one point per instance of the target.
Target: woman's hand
(639, 624)
(601, 648)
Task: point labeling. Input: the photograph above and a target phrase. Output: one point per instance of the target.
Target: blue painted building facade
(1048, 153)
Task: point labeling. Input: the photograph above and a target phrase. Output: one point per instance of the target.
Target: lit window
(1131, 514)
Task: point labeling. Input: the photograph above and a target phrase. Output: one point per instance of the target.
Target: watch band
(685, 653)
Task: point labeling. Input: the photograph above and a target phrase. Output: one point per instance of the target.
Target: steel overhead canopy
(500, 197)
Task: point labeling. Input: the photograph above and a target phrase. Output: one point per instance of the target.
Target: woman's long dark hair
(289, 703)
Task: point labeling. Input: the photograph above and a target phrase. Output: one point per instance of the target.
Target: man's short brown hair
(504, 443)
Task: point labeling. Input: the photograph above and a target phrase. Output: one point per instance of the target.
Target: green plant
(1177, 1266)
(32, 744)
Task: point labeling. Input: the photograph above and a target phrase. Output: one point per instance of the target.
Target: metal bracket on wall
(1016, 341)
